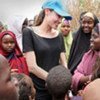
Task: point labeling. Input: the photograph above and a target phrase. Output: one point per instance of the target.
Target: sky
(27, 8)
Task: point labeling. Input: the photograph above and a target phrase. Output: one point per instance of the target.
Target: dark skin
(65, 28)
(8, 43)
(95, 41)
(87, 24)
(7, 88)
(95, 46)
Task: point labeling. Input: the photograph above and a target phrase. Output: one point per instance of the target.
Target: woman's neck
(45, 30)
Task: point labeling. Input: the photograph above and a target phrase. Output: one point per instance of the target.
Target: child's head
(65, 27)
(59, 82)
(8, 43)
(26, 87)
(7, 88)
(95, 38)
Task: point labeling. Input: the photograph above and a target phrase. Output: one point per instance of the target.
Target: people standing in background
(10, 49)
(16, 24)
(81, 41)
(44, 46)
(65, 29)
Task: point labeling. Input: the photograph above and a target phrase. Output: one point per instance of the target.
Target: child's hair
(25, 91)
(59, 82)
(26, 88)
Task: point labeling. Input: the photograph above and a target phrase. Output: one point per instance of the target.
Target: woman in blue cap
(43, 45)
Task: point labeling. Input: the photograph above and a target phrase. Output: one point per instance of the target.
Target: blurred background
(75, 8)
(30, 8)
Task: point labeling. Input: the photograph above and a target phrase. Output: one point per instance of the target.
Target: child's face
(95, 41)
(8, 43)
(65, 29)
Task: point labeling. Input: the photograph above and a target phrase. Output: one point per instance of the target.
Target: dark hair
(82, 14)
(25, 23)
(39, 18)
(97, 28)
(96, 69)
(59, 82)
(96, 21)
(25, 91)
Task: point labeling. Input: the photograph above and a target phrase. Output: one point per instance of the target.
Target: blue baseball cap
(58, 7)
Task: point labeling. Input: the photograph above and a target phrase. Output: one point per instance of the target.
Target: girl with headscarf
(89, 67)
(81, 41)
(10, 49)
(65, 29)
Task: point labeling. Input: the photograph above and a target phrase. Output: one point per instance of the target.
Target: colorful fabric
(68, 38)
(80, 45)
(68, 41)
(15, 58)
(85, 68)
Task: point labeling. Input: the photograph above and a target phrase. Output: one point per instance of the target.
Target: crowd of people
(42, 59)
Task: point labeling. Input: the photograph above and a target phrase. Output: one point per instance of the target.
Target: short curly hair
(59, 81)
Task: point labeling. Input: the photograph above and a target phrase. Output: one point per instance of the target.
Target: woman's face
(65, 28)
(87, 24)
(53, 19)
(95, 41)
(8, 43)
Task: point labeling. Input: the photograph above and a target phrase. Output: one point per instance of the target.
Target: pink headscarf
(85, 68)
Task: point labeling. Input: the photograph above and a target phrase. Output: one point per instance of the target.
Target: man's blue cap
(58, 7)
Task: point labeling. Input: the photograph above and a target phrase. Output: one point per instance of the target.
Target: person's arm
(81, 75)
(33, 67)
(29, 54)
(63, 59)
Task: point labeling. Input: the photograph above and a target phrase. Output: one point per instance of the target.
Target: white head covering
(15, 25)
(89, 14)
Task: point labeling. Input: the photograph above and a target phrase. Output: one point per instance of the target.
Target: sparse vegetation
(75, 7)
